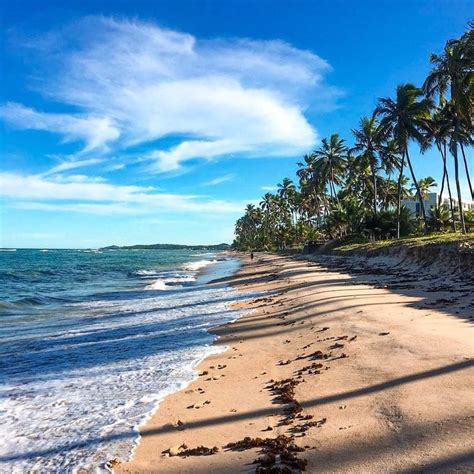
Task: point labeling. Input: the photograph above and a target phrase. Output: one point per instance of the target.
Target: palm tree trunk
(418, 192)
(374, 179)
(454, 151)
(467, 171)
(440, 197)
(451, 207)
(333, 186)
(399, 194)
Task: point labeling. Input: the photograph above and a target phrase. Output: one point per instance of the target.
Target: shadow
(249, 415)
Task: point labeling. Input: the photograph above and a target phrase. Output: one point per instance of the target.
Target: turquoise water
(91, 341)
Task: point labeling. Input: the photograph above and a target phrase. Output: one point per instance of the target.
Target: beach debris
(112, 463)
(281, 362)
(336, 346)
(221, 366)
(353, 338)
(199, 451)
(318, 355)
(204, 372)
(384, 333)
(183, 450)
(323, 329)
(312, 369)
(309, 424)
(278, 454)
(268, 428)
(285, 389)
(174, 450)
(179, 425)
(342, 407)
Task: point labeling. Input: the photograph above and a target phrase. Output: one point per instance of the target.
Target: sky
(125, 122)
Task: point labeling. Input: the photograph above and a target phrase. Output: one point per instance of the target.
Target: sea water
(91, 341)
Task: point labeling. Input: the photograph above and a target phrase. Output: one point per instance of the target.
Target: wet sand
(362, 375)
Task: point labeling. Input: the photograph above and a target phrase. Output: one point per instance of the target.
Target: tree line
(359, 189)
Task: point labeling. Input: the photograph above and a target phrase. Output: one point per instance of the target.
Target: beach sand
(383, 374)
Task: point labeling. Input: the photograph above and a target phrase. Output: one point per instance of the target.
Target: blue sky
(140, 122)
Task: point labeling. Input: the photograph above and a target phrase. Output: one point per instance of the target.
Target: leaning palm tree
(452, 72)
(405, 118)
(329, 162)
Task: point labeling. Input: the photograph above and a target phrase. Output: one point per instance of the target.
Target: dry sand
(394, 393)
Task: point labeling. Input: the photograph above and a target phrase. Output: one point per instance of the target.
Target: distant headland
(168, 247)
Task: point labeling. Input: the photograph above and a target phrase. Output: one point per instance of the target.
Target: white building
(431, 202)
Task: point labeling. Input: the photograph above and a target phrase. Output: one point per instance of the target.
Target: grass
(352, 243)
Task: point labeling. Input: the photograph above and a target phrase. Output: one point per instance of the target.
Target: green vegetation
(358, 190)
(354, 243)
(168, 247)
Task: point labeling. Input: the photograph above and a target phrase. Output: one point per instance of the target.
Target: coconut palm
(370, 137)
(439, 132)
(329, 162)
(452, 74)
(405, 118)
(425, 185)
(287, 192)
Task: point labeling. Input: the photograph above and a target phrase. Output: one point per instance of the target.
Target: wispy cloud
(219, 180)
(79, 195)
(133, 82)
(268, 188)
(72, 164)
(94, 130)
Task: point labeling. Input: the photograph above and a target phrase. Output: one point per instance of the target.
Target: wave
(7, 250)
(174, 279)
(156, 285)
(194, 266)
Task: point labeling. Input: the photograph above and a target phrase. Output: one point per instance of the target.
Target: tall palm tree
(329, 163)
(369, 143)
(452, 72)
(287, 192)
(406, 118)
(439, 132)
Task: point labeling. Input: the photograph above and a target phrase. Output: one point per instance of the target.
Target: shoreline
(202, 276)
(353, 377)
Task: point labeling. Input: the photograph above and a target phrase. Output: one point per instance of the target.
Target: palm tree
(452, 72)
(287, 192)
(424, 185)
(439, 131)
(369, 143)
(405, 118)
(329, 162)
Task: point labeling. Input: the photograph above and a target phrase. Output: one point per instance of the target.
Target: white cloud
(78, 195)
(268, 188)
(219, 180)
(134, 82)
(72, 164)
(95, 131)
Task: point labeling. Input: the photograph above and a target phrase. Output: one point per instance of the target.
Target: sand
(390, 390)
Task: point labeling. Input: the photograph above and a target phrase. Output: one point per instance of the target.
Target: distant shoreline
(167, 247)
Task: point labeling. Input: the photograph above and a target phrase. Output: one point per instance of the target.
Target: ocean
(92, 340)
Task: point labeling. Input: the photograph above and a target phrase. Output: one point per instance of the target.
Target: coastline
(382, 388)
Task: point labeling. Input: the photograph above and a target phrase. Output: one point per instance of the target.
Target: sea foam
(78, 386)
